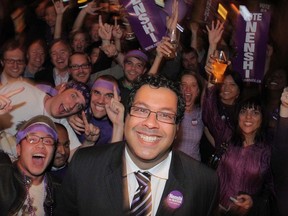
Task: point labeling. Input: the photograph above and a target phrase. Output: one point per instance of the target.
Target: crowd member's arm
(279, 160)
(60, 9)
(115, 111)
(117, 35)
(91, 8)
(5, 102)
(164, 48)
(194, 26)
(214, 36)
(105, 32)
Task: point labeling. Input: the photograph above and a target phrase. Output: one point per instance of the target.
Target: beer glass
(219, 66)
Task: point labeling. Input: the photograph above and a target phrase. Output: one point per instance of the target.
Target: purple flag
(251, 42)
(145, 21)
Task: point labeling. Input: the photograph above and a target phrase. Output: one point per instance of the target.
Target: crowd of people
(93, 124)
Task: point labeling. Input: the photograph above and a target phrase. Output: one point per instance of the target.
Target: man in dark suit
(105, 180)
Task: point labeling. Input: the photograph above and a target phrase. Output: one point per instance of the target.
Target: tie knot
(143, 177)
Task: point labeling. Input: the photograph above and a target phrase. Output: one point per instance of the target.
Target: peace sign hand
(92, 132)
(5, 102)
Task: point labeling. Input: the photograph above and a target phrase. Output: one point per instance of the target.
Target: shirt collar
(161, 170)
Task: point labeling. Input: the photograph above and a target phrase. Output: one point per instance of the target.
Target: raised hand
(215, 33)
(59, 7)
(164, 47)
(5, 102)
(92, 132)
(115, 109)
(171, 22)
(117, 31)
(92, 8)
(76, 123)
(105, 30)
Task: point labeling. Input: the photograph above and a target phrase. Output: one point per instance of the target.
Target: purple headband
(36, 127)
(105, 84)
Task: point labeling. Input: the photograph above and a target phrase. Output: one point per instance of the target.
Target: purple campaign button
(174, 199)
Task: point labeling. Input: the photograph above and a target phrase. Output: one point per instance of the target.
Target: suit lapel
(114, 178)
(176, 175)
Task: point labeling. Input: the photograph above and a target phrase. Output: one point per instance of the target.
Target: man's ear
(2, 63)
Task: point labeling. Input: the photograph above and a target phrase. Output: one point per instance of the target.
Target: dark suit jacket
(279, 163)
(94, 184)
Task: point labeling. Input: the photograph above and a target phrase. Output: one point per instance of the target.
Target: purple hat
(137, 54)
(81, 87)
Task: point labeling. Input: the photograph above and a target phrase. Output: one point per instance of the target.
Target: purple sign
(251, 42)
(145, 21)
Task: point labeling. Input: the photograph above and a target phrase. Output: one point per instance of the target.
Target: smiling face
(67, 103)
(82, 74)
(250, 120)
(99, 97)
(79, 42)
(149, 140)
(13, 63)
(133, 68)
(50, 16)
(229, 91)
(36, 55)
(59, 56)
(34, 158)
(190, 90)
(63, 150)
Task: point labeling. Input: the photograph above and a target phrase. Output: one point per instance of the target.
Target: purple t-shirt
(106, 130)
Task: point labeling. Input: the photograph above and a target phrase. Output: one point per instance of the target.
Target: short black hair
(158, 81)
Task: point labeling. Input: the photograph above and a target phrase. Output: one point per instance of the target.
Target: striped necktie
(142, 200)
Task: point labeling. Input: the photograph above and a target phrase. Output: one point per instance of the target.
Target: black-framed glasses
(13, 61)
(140, 112)
(34, 139)
(77, 67)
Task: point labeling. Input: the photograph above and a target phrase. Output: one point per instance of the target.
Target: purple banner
(144, 18)
(251, 41)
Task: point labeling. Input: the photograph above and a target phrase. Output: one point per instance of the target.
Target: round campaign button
(194, 122)
(174, 199)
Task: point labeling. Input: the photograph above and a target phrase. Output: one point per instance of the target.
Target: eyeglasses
(13, 61)
(34, 139)
(107, 96)
(169, 118)
(77, 67)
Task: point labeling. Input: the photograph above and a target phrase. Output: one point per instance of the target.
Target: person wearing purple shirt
(219, 106)
(191, 127)
(244, 170)
(105, 112)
